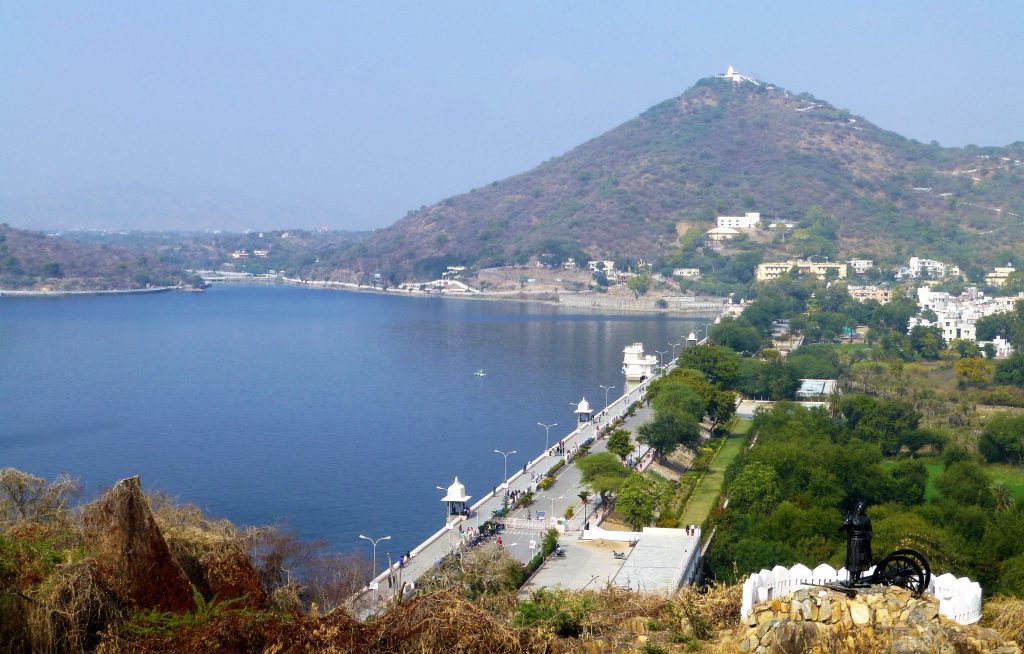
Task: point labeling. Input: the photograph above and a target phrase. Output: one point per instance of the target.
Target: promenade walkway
(516, 538)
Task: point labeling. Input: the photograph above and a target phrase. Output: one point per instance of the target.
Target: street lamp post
(674, 346)
(374, 541)
(551, 510)
(547, 433)
(505, 455)
(661, 363)
(606, 389)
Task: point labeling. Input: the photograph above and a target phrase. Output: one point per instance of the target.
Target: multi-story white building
(931, 268)
(861, 266)
(957, 316)
(746, 221)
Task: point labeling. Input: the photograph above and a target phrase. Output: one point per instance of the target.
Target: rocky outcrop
(886, 619)
(121, 531)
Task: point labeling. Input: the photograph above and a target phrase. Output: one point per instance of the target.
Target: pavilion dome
(584, 406)
(456, 492)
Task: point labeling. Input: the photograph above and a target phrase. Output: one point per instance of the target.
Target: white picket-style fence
(959, 599)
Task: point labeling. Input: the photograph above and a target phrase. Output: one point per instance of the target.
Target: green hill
(723, 148)
(33, 260)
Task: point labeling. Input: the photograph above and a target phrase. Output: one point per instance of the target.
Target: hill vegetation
(723, 149)
(33, 260)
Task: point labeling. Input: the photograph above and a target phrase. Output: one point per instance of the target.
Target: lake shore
(125, 291)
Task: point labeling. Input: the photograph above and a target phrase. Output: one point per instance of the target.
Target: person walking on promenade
(499, 542)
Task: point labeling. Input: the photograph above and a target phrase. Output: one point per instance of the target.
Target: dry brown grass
(1005, 615)
(67, 612)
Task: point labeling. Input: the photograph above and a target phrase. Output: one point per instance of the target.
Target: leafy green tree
(638, 500)
(911, 480)
(602, 472)
(966, 483)
(755, 489)
(1002, 440)
(640, 284)
(1011, 371)
(720, 365)
(620, 444)
(926, 341)
(667, 432)
(1011, 576)
(52, 269)
(678, 397)
(737, 335)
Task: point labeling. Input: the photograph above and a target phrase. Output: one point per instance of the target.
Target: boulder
(121, 531)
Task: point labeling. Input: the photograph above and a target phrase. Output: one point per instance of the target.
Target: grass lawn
(1012, 475)
(703, 498)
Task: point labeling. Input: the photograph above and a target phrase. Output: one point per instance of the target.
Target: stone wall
(883, 619)
(959, 599)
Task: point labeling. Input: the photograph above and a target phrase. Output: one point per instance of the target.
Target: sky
(366, 110)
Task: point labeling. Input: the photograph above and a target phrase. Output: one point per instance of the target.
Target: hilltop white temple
(734, 76)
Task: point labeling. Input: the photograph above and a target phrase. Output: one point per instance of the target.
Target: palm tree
(584, 496)
(1004, 496)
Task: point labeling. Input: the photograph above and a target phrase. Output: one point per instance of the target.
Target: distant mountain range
(148, 208)
(725, 147)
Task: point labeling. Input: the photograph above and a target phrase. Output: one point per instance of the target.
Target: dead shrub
(71, 607)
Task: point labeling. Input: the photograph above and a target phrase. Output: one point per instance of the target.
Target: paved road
(516, 538)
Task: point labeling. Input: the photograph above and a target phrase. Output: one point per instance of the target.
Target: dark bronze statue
(858, 543)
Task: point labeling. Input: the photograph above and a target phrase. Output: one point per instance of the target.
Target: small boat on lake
(480, 373)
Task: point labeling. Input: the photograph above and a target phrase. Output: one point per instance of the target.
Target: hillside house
(861, 266)
(686, 273)
(880, 294)
(998, 275)
(746, 221)
(719, 234)
(773, 270)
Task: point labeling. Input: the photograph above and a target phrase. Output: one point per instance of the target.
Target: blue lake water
(333, 413)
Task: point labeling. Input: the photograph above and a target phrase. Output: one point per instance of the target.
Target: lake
(332, 413)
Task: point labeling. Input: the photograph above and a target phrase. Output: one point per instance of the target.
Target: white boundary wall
(959, 599)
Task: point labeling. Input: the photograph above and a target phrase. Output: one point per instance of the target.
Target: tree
(52, 269)
(620, 444)
(26, 497)
(720, 365)
(966, 483)
(737, 335)
(1011, 371)
(1002, 440)
(926, 341)
(755, 490)
(639, 499)
(911, 480)
(677, 397)
(640, 284)
(668, 431)
(1003, 494)
(603, 472)
(974, 370)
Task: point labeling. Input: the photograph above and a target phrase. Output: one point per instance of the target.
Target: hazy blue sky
(370, 109)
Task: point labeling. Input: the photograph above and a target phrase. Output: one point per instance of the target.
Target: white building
(686, 273)
(719, 234)
(957, 316)
(735, 77)
(608, 266)
(931, 268)
(746, 221)
(637, 366)
(861, 266)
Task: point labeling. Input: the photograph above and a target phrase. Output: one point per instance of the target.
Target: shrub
(546, 483)
(555, 468)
